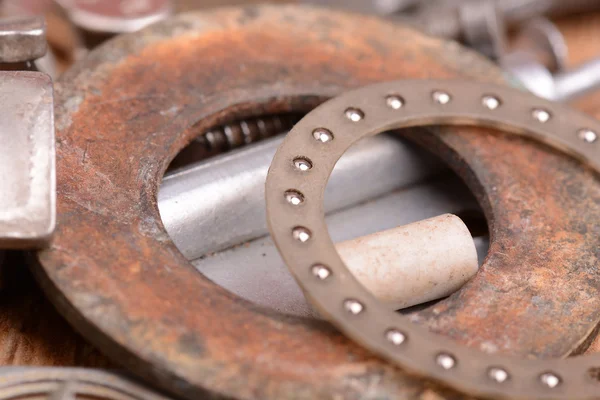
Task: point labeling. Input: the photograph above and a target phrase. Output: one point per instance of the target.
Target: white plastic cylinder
(414, 263)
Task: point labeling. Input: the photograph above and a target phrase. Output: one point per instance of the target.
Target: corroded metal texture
(126, 111)
(70, 384)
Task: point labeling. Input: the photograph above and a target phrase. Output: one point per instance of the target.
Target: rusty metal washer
(125, 111)
(301, 235)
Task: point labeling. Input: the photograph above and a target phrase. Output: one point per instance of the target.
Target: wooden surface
(32, 332)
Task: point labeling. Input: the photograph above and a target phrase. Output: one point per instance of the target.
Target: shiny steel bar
(577, 82)
(219, 203)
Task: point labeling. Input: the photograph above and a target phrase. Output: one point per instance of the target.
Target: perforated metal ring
(303, 164)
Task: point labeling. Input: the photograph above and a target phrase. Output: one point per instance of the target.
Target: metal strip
(304, 163)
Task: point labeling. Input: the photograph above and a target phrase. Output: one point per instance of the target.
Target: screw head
(587, 135)
(302, 164)
(541, 115)
(394, 102)
(498, 374)
(354, 114)
(353, 306)
(321, 271)
(441, 97)
(395, 337)
(301, 234)
(294, 197)
(445, 361)
(491, 102)
(322, 135)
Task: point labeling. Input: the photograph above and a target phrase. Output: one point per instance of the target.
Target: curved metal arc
(368, 322)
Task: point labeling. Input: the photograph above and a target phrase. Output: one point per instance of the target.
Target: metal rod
(219, 203)
(577, 82)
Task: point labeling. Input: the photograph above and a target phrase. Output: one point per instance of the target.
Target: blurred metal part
(379, 7)
(27, 176)
(544, 51)
(219, 203)
(542, 40)
(116, 16)
(52, 383)
(483, 27)
(22, 39)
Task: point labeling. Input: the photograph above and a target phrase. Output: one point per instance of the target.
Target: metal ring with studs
(303, 165)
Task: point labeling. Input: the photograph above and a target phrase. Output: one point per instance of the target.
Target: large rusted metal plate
(126, 111)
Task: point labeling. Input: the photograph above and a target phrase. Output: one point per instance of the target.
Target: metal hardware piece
(118, 16)
(380, 7)
(231, 136)
(541, 40)
(27, 177)
(445, 21)
(22, 39)
(566, 86)
(114, 273)
(220, 203)
(348, 304)
(37, 383)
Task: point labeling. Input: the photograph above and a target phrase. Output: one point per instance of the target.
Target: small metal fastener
(452, 364)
